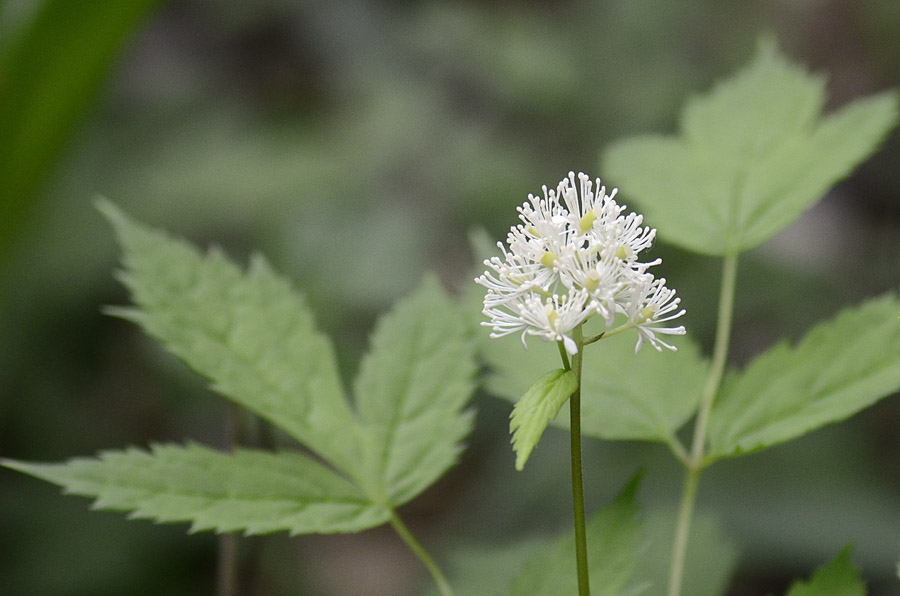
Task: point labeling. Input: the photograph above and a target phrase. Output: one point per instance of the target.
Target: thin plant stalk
(227, 564)
(697, 460)
(416, 547)
(226, 574)
(584, 586)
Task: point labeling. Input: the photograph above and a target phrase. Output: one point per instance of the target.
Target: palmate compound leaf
(411, 392)
(754, 153)
(625, 396)
(838, 578)
(534, 411)
(839, 368)
(614, 543)
(256, 340)
(248, 332)
(253, 491)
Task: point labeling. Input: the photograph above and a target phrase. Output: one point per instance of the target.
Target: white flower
(650, 304)
(572, 256)
(552, 318)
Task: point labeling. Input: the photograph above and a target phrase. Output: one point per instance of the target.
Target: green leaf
(613, 538)
(838, 578)
(646, 396)
(624, 396)
(248, 332)
(411, 390)
(539, 405)
(753, 154)
(253, 491)
(49, 74)
(839, 368)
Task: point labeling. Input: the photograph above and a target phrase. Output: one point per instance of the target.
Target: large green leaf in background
(255, 338)
(613, 537)
(625, 396)
(837, 578)
(839, 368)
(253, 491)
(411, 388)
(753, 154)
(479, 570)
(710, 561)
(48, 76)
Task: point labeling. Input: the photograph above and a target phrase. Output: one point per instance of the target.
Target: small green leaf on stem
(539, 405)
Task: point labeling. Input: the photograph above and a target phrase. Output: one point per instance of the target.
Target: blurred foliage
(355, 144)
(49, 72)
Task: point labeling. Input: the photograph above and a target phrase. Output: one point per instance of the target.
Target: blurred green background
(356, 145)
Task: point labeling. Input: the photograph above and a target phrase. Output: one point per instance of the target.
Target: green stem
(720, 354)
(682, 530)
(227, 571)
(584, 586)
(696, 461)
(440, 581)
(226, 574)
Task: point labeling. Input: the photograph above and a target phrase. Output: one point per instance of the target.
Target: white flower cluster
(573, 256)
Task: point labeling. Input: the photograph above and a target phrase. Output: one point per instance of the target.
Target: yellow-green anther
(553, 318)
(548, 260)
(622, 253)
(647, 313)
(592, 281)
(587, 221)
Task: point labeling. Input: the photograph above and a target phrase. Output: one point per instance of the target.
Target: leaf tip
(629, 491)
(12, 464)
(113, 214)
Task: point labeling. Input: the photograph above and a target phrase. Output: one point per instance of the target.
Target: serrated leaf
(613, 539)
(753, 154)
(534, 411)
(839, 368)
(252, 491)
(248, 332)
(411, 390)
(838, 578)
(625, 396)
